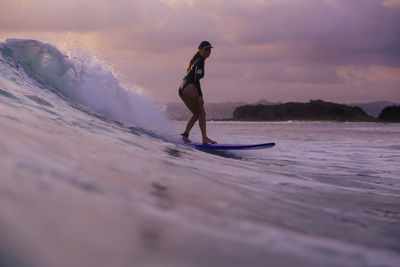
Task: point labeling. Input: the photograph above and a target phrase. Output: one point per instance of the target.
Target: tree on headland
(390, 114)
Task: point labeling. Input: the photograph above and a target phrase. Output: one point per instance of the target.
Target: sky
(345, 51)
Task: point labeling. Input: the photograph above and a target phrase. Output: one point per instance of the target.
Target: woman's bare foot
(186, 139)
(208, 141)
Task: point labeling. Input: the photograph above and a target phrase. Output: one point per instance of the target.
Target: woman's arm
(198, 74)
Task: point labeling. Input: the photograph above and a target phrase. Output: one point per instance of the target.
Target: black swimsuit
(193, 76)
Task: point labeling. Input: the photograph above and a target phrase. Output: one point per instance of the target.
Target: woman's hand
(201, 101)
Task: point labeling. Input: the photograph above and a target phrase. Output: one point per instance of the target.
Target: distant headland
(314, 110)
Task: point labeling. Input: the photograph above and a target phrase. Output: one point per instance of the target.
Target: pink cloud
(262, 48)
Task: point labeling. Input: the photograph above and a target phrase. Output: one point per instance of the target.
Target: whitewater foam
(85, 79)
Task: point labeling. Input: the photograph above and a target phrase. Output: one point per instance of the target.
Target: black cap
(205, 44)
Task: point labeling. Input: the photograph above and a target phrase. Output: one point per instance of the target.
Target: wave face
(83, 79)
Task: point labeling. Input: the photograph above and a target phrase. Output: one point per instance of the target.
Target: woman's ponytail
(193, 59)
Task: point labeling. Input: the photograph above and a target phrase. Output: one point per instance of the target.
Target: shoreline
(288, 121)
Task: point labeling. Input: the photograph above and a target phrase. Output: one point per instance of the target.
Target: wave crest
(84, 79)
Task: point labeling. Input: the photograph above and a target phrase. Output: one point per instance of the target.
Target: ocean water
(92, 174)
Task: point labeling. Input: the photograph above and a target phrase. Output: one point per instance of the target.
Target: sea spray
(86, 80)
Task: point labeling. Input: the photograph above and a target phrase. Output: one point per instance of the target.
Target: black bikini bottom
(183, 85)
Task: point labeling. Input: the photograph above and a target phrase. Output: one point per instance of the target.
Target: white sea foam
(88, 81)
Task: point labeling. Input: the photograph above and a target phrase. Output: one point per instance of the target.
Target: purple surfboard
(229, 146)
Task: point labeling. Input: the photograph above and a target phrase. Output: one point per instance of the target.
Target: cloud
(391, 3)
(262, 45)
(72, 15)
(331, 31)
(337, 32)
(171, 26)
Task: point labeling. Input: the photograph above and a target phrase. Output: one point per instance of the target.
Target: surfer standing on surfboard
(191, 94)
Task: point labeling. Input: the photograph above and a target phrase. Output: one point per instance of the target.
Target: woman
(190, 92)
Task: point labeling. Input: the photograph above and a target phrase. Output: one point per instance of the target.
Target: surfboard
(230, 146)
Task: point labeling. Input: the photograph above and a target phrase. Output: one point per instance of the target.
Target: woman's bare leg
(202, 124)
(191, 100)
(191, 122)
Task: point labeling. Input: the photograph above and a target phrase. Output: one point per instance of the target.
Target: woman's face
(205, 52)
